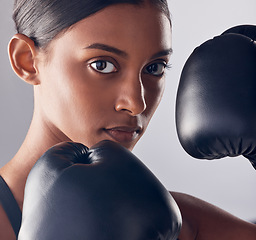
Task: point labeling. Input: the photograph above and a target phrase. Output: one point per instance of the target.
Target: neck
(39, 138)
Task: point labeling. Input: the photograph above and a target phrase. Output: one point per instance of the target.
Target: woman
(97, 68)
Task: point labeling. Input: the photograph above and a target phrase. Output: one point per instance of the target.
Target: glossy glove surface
(102, 193)
(216, 98)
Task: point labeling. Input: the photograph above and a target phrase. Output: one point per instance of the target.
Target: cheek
(153, 96)
(67, 88)
(72, 102)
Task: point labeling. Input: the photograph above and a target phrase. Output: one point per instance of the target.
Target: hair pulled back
(42, 20)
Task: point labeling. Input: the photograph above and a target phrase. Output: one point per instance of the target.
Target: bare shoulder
(189, 225)
(207, 221)
(6, 231)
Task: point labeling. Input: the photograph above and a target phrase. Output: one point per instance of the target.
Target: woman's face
(104, 77)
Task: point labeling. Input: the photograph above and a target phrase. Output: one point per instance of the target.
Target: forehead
(123, 25)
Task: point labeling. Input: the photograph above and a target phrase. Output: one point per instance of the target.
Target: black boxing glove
(102, 193)
(216, 98)
(246, 30)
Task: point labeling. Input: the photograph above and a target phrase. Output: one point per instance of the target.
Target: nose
(131, 97)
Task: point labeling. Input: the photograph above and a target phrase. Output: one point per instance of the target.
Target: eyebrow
(122, 53)
(107, 48)
(162, 53)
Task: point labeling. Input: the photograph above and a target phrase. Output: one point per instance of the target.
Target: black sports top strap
(10, 206)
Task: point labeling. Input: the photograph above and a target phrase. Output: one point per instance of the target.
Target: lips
(123, 134)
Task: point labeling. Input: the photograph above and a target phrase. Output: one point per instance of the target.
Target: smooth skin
(101, 79)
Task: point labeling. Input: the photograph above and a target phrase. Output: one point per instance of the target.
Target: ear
(22, 54)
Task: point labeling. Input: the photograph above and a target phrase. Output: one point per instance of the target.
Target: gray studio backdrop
(229, 183)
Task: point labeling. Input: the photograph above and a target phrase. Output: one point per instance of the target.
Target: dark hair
(42, 20)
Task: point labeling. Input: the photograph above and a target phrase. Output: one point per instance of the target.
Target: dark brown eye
(103, 66)
(156, 69)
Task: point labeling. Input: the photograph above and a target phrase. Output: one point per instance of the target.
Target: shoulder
(206, 221)
(189, 225)
(6, 231)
